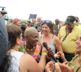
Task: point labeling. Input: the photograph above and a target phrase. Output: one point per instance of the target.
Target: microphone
(52, 55)
(45, 45)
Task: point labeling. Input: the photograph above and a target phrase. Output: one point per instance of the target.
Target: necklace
(15, 48)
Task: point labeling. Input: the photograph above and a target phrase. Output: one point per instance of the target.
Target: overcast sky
(47, 9)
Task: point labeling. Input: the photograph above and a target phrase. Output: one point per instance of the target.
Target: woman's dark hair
(6, 63)
(49, 24)
(14, 32)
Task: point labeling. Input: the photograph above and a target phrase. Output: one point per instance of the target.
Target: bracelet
(44, 53)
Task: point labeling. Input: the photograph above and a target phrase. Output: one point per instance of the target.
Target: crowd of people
(40, 45)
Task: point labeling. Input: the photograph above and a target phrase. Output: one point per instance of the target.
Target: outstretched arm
(57, 43)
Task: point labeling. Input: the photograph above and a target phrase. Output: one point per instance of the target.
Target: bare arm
(57, 43)
(42, 61)
(28, 64)
(60, 54)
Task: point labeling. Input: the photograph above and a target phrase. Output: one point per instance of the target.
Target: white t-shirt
(15, 59)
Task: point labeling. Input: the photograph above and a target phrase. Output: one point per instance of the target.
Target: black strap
(67, 33)
(64, 37)
(78, 68)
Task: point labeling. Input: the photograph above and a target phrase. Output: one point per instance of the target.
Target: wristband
(44, 53)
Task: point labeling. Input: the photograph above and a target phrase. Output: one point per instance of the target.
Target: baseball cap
(70, 20)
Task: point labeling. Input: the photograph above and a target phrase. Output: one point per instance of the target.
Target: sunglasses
(46, 22)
